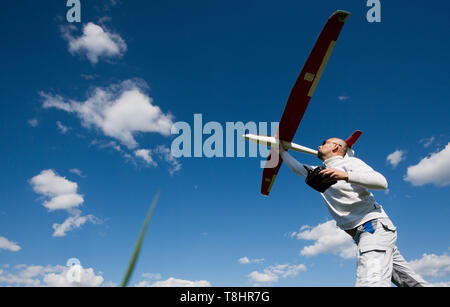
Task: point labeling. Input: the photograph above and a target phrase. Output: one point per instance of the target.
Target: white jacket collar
(332, 161)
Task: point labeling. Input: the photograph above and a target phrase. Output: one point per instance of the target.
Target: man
(357, 213)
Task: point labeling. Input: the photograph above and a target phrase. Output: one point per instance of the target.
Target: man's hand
(332, 174)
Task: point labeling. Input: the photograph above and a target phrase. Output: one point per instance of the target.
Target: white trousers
(379, 261)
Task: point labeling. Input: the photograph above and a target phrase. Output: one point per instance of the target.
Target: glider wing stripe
(321, 69)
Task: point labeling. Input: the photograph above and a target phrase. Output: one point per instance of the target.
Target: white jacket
(350, 203)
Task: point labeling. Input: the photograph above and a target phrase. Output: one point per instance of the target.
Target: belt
(368, 226)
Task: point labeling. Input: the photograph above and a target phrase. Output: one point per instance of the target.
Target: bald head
(332, 147)
(342, 145)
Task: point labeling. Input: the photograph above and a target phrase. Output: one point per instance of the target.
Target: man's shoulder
(353, 161)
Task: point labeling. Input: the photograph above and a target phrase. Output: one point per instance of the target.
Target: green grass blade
(137, 249)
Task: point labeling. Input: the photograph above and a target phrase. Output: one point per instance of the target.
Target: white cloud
(72, 222)
(173, 282)
(163, 153)
(88, 77)
(273, 273)
(107, 6)
(25, 276)
(113, 2)
(84, 278)
(95, 42)
(265, 277)
(145, 154)
(434, 169)
(343, 98)
(120, 111)
(112, 144)
(328, 239)
(33, 122)
(246, 260)
(427, 141)
(432, 265)
(62, 192)
(52, 276)
(8, 245)
(151, 275)
(63, 195)
(166, 154)
(143, 283)
(64, 202)
(63, 129)
(396, 157)
(76, 171)
(55, 101)
(441, 284)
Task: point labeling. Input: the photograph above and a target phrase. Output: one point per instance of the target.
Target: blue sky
(229, 61)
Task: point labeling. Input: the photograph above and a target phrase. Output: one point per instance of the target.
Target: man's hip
(376, 243)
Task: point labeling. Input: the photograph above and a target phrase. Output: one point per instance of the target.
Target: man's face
(325, 150)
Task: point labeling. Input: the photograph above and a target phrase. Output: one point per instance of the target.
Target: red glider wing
(302, 92)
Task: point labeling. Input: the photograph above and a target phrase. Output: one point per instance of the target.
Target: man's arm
(359, 173)
(293, 164)
(371, 180)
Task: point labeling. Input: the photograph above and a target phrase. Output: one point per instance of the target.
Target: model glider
(299, 99)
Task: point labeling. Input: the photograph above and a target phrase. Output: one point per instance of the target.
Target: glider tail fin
(351, 141)
(353, 138)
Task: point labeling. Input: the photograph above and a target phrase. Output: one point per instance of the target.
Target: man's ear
(335, 148)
